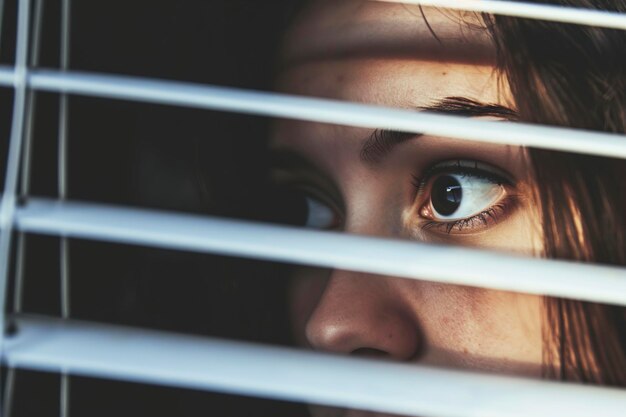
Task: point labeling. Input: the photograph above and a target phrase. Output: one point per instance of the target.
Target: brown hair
(569, 75)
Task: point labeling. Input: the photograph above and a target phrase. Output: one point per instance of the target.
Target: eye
(319, 215)
(302, 207)
(464, 195)
(459, 196)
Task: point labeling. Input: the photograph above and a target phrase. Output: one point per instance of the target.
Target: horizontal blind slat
(446, 264)
(324, 111)
(280, 373)
(548, 12)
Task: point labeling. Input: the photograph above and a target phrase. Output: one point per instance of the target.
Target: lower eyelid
(480, 222)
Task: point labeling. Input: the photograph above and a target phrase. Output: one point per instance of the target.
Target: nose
(357, 315)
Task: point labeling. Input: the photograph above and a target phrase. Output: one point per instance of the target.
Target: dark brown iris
(446, 195)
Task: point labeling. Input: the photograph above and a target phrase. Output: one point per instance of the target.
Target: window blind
(66, 346)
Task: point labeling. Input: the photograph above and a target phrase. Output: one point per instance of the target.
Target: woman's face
(413, 187)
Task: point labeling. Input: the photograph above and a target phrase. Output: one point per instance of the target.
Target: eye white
(319, 215)
(478, 195)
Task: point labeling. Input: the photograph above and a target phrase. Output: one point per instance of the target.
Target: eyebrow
(381, 142)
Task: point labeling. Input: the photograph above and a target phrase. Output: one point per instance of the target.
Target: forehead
(385, 53)
(331, 29)
(391, 82)
(378, 53)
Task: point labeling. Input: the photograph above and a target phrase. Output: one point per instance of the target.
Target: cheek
(520, 233)
(482, 329)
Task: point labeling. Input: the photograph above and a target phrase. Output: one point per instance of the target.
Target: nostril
(369, 353)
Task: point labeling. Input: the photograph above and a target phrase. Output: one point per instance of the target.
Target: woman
(441, 190)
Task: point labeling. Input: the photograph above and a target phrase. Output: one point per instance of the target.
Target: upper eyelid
(309, 180)
(314, 191)
(420, 181)
(459, 164)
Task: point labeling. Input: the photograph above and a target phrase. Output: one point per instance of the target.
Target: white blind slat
(548, 12)
(446, 264)
(324, 111)
(279, 373)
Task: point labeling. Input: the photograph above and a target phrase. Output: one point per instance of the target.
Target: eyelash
(482, 219)
(494, 212)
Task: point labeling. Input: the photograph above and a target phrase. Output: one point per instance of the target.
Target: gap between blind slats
(323, 111)
(547, 12)
(152, 357)
(439, 263)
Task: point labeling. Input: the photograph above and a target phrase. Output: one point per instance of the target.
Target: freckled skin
(407, 320)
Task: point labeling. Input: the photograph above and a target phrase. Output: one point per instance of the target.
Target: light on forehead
(352, 28)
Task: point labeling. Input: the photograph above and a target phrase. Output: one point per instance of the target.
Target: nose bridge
(363, 313)
(365, 218)
(357, 314)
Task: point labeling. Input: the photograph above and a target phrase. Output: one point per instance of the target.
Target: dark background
(159, 157)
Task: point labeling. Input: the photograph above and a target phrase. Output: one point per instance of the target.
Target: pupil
(446, 195)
